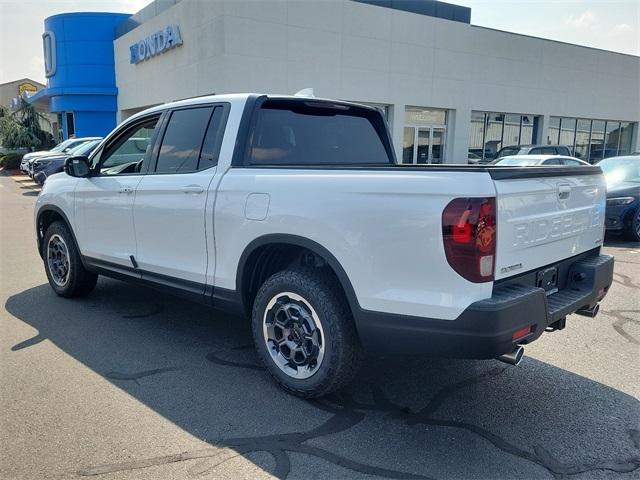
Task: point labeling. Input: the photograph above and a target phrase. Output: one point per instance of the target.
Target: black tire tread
(631, 231)
(82, 281)
(321, 289)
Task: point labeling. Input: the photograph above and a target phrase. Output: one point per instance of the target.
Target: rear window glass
(318, 133)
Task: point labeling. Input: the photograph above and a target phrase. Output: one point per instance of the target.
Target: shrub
(11, 160)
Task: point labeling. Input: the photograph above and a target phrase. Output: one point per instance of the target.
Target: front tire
(633, 233)
(304, 332)
(63, 265)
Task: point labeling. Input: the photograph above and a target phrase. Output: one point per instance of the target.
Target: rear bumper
(485, 329)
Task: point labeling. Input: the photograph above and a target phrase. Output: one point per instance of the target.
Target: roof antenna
(305, 92)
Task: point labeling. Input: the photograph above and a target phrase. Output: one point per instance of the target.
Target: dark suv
(534, 150)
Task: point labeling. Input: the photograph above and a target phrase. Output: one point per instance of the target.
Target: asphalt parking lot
(131, 384)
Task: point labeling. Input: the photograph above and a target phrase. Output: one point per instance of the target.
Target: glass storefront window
(407, 144)
(596, 150)
(491, 131)
(476, 133)
(553, 132)
(592, 140)
(612, 138)
(583, 132)
(526, 130)
(567, 132)
(511, 133)
(626, 137)
(493, 135)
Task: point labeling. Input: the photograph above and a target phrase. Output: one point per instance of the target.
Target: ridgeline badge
(155, 44)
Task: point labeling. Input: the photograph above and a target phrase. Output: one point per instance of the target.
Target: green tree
(22, 128)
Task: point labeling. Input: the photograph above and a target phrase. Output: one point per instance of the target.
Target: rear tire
(304, 332)
(63, 264)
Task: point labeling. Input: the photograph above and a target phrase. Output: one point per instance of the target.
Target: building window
(491, 131)
(612, 139)
(591, 140)
(568, 132)
(71, 124)
(60, 131)
(626, 137)
(527, 130)
(424, 135)
(596, 150)
(553, 132)
(583, 134)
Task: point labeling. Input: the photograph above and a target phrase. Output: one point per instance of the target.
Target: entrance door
(437, 145)
(423, 145)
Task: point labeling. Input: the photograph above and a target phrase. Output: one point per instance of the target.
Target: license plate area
(548, 279)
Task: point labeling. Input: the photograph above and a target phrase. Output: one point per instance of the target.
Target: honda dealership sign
(155, 44)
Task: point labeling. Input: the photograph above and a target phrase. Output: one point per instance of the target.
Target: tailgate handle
(564, 191)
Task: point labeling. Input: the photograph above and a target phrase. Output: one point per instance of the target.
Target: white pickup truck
(292, 211)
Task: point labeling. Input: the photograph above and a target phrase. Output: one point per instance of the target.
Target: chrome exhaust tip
(589, 312)
(513, 358)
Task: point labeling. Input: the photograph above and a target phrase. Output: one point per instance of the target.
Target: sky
(607, 24)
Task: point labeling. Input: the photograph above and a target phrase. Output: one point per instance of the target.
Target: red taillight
(469, 233)
(518, 334)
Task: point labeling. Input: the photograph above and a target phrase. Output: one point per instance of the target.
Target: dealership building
(450, 90)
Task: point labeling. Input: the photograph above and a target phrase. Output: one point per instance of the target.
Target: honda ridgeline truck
(293, 212)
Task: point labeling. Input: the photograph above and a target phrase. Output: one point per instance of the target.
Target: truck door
(104, 201)
(170, 201)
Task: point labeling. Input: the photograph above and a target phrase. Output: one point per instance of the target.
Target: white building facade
(450, 90)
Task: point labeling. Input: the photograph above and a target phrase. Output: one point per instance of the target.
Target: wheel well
(45, 219)
(268, 259)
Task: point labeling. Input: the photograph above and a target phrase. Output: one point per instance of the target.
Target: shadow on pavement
(619, 241)
(402, 418)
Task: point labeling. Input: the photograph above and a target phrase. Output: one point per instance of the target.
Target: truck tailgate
(545, 219)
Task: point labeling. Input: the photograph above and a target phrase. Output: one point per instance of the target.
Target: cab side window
(183, 141)
(129, 152)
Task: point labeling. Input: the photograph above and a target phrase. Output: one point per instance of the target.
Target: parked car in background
(598, 153)
(622, 175)
(63, 147)
(534, 150)
(474, 159)
(5, 150)
(546, 160)
(46, 166)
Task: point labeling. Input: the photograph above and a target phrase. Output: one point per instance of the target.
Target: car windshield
(61, 146)
(84, 149)
(516, 161)
(618, 170)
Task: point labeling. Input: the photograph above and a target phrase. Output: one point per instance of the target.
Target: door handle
(126, 189)
(195, 189)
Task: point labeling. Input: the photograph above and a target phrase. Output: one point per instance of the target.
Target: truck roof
(238, 98)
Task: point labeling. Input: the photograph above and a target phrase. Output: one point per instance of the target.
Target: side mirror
(78, 166)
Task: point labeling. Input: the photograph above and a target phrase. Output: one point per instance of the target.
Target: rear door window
(294, 132)
(182, 140)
